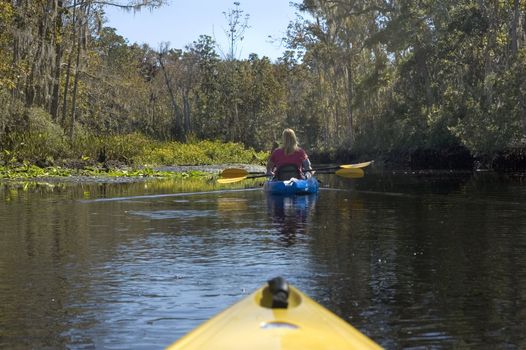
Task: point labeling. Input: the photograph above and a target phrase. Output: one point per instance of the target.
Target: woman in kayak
(290, 160)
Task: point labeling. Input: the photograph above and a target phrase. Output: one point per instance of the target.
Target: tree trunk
(523, 114)
(66, 87)
(68, 67)
(55, 88)
(423, 73)
(83, 21)
(152, 109)
(55, 94)
(350, 86)
(75, 87)
(186, 113)
(177, 126)
(521, 76)
(322, 99)
(18, 46)
(42, 60)
(514, 26)
(340, 130)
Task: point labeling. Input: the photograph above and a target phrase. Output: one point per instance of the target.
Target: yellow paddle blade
(231, 180)
(352, 173)
(357, 165)
(233, 173)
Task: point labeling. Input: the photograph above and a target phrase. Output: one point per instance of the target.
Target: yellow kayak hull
(253, 324)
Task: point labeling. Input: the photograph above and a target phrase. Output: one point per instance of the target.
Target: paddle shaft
(326, 168)
(239, 172)
(344, 166)
(307, 171)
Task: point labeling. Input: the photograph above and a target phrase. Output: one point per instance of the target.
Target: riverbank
(117, 174)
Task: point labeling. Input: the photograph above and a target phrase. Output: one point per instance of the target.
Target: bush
(11, 117)
(85, 145)
(42, 142)
(126, 148)
(201, 152)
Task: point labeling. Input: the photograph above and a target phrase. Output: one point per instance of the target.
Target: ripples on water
(412, 261)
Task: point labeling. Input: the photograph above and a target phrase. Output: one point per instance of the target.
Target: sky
(181, 22)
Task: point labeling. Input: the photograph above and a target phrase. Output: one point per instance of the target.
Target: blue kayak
(292, 186)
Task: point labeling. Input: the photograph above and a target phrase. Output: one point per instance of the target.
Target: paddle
(230, 180)
(351, 173)
(347, 166)
(235, 172)
(231, 173)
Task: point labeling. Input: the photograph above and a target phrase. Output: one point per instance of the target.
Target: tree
(237, 25)
(333, 43)
(208, 110)
(171, 56)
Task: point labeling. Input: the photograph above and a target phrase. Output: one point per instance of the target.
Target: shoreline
(121, 175)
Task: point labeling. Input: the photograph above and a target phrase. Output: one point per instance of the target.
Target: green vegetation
(132, 155)
(14, 190)
(31, 171)
(359, 78)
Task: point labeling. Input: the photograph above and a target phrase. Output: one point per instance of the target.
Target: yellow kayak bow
(276, 316)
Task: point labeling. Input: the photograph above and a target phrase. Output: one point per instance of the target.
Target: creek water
(435, 261)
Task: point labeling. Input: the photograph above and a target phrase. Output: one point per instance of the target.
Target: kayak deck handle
(278, 295)
(279, 289)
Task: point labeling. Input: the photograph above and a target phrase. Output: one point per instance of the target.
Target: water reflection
(412, 261)
(115, 189)
(290, 214)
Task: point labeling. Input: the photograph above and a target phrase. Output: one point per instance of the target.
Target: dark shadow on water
(290, 214)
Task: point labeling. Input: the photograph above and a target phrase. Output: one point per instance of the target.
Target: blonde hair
(290, 142)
